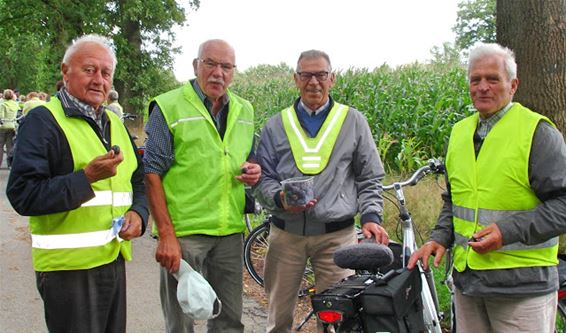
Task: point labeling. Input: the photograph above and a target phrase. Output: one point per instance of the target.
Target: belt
(330, 226)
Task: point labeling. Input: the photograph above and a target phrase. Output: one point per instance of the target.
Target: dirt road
(21, 308)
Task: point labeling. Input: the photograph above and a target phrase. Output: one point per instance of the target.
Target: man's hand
(250, 173)
(423, 254)
(103, 166)
(132, 226)
(373, 229)
(486, 240)
(168, 252)
(296, 209)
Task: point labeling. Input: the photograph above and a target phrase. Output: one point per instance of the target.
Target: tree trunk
(536, 31)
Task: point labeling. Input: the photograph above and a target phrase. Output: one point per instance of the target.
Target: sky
(354, 33)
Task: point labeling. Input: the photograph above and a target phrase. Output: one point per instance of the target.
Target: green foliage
(410, 109)
(475, 23)
(35, 35)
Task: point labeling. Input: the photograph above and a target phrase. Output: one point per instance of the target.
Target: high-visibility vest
(493, 187)
(202, 195)
(312, 154)
(82, 238)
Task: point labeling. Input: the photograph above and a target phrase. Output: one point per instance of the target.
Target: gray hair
(214, 41)
(113, 95)
(483, 50)
(91, 38)
(314, 54)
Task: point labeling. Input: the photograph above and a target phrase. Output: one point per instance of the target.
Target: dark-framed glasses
(307, 76)
(211, 64)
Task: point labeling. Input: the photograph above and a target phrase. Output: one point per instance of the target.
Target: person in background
(201, 135)
(77, 176)
(504, 207)
(332, 142)
(32, 100)
(8, 112)
(113, 104)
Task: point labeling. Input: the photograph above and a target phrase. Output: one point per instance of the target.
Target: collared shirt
(485, 125)
(312, 121)
(221, 116)
(313, 113)
(88, 111)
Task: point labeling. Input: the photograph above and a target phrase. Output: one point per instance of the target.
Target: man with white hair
(77, 176)
(504, 207)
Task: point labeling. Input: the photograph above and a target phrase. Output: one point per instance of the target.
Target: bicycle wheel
(560, 318)
(255, 250)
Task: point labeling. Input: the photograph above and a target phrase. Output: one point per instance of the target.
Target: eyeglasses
(211, 64)
(307, 76)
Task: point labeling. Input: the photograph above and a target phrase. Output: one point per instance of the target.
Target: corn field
(410, 109)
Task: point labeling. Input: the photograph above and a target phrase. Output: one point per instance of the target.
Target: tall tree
(35, 34)
(475, 23)
(536, 31)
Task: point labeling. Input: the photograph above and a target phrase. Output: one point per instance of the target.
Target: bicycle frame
(432, 317)
(431, 314)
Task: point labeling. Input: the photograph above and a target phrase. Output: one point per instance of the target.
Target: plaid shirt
(69, 100)
(485, 125)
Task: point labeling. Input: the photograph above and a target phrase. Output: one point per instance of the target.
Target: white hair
(483, 50)
(91, 38)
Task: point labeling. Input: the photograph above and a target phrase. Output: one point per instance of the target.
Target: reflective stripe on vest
(80, 238)
(312, 154)
(202, 194)
(482, 189)
(72, 241)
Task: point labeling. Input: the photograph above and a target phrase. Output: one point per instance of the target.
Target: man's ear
(195, 63)
(514, 85)
(64, 70)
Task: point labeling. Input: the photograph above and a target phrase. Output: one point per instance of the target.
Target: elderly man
(505, 205)
(332, 142)
(77, 175)
(199, 145)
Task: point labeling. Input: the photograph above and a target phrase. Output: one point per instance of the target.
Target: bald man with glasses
(320, 138)
(200, 138)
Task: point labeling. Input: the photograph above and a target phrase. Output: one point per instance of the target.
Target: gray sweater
(350, 183)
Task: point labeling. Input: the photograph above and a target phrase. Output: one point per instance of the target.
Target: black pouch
(249, 208)
(394, 306)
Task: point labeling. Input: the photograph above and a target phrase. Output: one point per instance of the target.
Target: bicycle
(352, 305)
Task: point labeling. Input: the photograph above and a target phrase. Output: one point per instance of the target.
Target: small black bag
(249, 208)
(394, 306)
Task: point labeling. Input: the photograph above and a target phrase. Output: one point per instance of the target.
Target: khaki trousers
(285, 264)
(505, 314)
(220, 260)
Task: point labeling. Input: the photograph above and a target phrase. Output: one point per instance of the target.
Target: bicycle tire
(255, 250)
(560, 326)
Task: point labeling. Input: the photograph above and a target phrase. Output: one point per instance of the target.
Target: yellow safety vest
(312, 154)
(82, 238)
(493, 187)
(202, 195)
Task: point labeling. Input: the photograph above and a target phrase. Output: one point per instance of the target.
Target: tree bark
(536, 31)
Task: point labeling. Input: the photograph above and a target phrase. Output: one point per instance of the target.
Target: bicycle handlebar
(433, 166)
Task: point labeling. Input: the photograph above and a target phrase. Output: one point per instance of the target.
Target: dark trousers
(87, 301)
